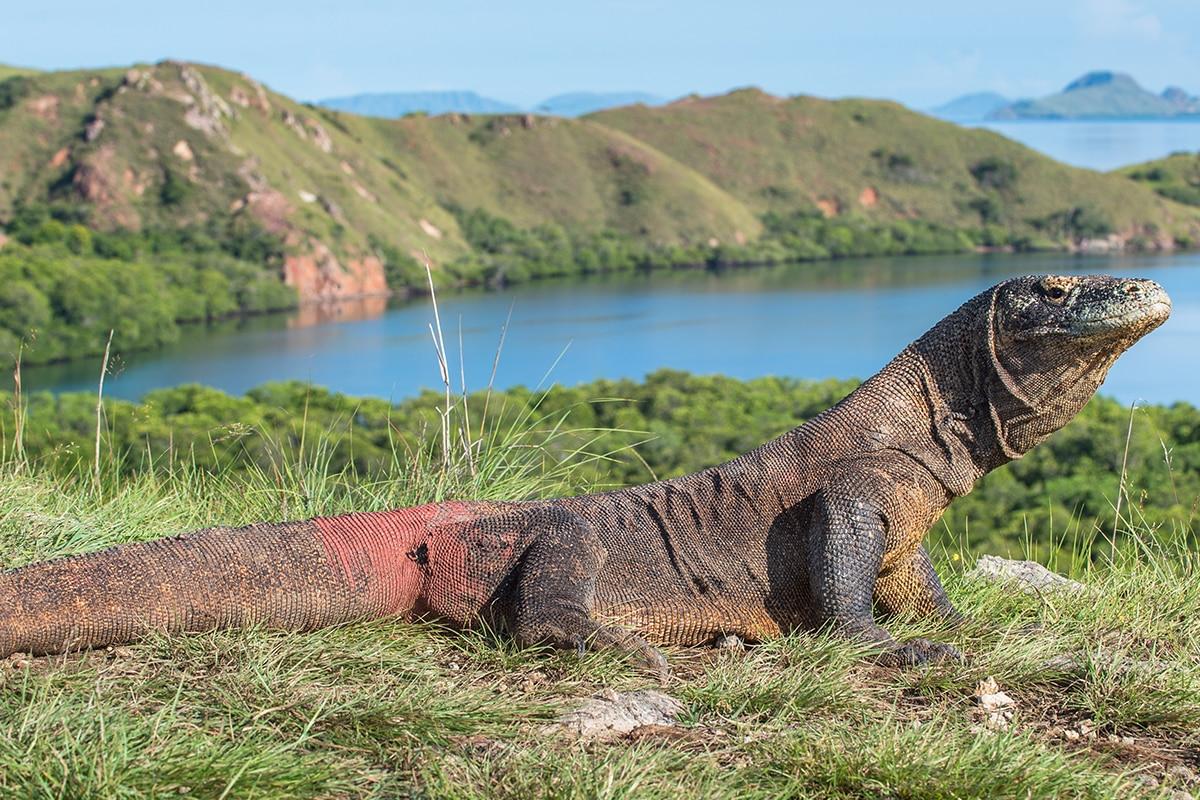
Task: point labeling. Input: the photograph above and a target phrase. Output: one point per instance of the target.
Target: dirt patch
(868, 197)
(829, 207)
(362, 192)
(271, 209)
(43, 107)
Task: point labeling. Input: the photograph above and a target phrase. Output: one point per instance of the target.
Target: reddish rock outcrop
(318, 275)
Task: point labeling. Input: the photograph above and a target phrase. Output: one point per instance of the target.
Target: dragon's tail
(289, 576)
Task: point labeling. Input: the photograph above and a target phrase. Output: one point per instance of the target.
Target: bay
(1102, 144)
(813, 320)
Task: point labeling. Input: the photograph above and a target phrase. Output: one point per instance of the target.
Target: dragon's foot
(639, 651)
(917, 652)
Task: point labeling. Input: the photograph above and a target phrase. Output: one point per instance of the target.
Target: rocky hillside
(178, 146)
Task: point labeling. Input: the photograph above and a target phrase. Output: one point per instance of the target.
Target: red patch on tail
(385, 554)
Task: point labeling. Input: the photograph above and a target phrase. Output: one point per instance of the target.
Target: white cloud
(1119, 18)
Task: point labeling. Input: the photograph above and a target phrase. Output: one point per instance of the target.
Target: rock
(93, 129)
(1025, 576)
(332, 209)
(429, 228)
(994, 706)
(309, 130)
(320, 137)
(318, 275)
(258, 101)
(307, 197)
(611, 714)
(729, 642)
(183, 151)
(989, 696)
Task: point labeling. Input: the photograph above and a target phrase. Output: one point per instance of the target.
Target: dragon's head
(1052, 339)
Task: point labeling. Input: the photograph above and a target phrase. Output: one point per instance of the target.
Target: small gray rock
(728, 641)
(612, 714)
(1025, 576)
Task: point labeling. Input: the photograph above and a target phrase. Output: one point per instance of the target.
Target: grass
(388, 709)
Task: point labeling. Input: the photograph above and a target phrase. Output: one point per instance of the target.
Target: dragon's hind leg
(551, 599)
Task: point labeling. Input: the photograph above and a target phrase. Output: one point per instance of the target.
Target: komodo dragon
(819, 527)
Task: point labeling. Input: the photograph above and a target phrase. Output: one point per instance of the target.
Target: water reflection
(344, 311)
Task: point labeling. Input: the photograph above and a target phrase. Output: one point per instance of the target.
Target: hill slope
(353, 201)
(880, 159)
(1176, 177)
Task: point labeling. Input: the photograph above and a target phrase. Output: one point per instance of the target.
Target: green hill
(1176, 177)
(175, 144)
(879, 159)
(140, 163)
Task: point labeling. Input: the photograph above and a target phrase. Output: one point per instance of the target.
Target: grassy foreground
(394, 710)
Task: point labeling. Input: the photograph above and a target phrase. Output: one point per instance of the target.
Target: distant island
(1101, 94)
(393, 105)
(971, 107)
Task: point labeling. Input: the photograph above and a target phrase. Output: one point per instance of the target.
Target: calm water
(1102, 145)
(843, 319)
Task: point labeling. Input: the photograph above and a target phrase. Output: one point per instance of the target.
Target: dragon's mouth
(1143, 306)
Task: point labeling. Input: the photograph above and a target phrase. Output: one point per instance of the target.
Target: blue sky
(917, 52)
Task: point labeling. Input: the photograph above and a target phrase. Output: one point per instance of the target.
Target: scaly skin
(819, 527)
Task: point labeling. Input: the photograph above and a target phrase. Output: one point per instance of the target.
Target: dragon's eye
(1054, 294)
